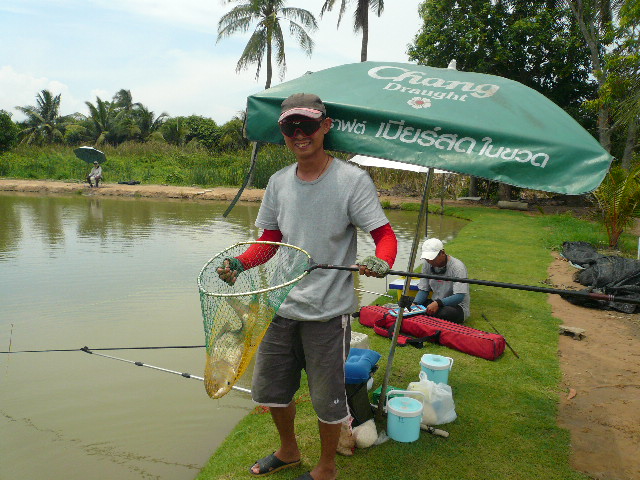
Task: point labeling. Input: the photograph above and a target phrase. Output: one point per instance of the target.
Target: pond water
(100, 272)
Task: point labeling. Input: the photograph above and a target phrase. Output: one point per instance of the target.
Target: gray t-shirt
(442, 289)
(321, 217)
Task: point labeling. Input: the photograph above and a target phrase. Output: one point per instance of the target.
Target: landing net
(236, 316)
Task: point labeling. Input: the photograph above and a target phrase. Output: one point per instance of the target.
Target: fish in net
(236, 316)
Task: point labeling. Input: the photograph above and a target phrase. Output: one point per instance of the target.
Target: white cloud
(20, 89)
(199, 82)
(188, 13)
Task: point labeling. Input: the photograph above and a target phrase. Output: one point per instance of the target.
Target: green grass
(148, 163)
(507, 409)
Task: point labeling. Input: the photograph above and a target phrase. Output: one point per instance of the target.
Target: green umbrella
(470, 123)
(90, 155)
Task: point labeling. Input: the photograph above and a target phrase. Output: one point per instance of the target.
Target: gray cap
(305, 104)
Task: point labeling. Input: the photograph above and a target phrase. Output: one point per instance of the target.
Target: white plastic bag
(438, 406)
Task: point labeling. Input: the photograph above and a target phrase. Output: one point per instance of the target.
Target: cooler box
(399, 286)
(359, 368)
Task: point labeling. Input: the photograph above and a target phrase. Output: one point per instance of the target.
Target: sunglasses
(307, 127)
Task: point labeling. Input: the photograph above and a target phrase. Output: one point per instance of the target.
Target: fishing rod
(374, 293)
(140, 364)
(94, 351)
(100, 349)
(505, 340)
(573, 293)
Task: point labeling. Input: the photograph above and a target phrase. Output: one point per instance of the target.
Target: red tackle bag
(418, 329)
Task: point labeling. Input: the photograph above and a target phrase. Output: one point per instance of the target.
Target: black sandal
(271, 464)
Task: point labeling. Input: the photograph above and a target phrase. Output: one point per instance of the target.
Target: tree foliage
(8, 131)
(535, 43)
(267, 40)
(619, 93)
(203, 131)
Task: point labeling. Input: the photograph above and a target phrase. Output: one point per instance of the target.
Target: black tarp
(609, 274)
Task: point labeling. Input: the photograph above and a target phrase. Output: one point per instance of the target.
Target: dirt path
(600, 391)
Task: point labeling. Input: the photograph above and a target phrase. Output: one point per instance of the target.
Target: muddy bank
(51, 187)
(117, 190)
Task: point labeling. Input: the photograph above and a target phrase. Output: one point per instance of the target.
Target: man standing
(95, 174)
(315, 204)
(450, 300)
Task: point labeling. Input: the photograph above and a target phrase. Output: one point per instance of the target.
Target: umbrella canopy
(90, 154)
(469, 123)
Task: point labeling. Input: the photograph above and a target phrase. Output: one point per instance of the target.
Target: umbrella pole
(254, 157)
(405, 300)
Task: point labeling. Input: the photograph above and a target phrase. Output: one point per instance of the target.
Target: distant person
(450, 300)
(95, 175)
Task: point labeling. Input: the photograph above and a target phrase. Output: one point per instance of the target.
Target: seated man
(95, 174)
(450, 300)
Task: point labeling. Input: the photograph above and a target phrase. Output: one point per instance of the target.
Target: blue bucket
(403, 417)
(436, 367)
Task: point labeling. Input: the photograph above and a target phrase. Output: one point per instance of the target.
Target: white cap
(431, 248)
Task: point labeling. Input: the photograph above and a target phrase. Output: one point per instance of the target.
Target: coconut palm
(103, 120)
(267, 35)
(232, 137)
(360, 18)
(147, 123)
(618, 201)
(126, 124)
(43, 124)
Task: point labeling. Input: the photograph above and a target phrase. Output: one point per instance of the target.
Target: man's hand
(229, 270)
(373, 267)
(433, 308)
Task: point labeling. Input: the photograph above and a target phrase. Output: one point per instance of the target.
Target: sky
(166, 52)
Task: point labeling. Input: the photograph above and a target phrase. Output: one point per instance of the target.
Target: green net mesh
(236, 316)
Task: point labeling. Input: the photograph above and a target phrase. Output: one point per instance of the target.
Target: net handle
(262, 290)
(515, 286)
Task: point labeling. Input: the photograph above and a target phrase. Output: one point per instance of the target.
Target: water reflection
(78, 271)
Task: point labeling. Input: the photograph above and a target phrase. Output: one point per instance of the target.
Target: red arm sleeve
(386, 243)
(258, 254)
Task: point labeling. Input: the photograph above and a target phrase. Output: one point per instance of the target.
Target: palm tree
(618, 201)
(232, 137)
(126, 126)
(360, 18)
(43, 124)
(267, 34)
(103, 120)
(146, 121)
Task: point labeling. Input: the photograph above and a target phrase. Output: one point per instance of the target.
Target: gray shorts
(320, 348)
